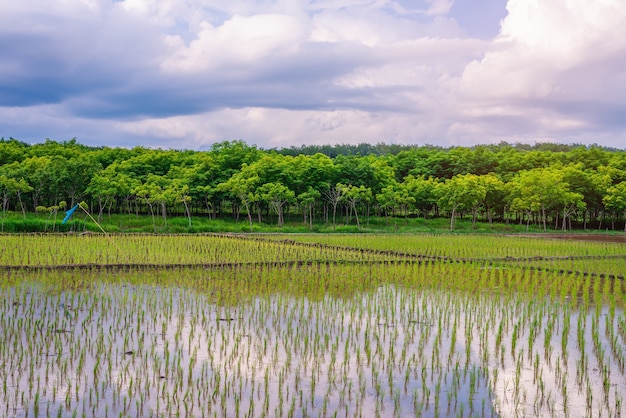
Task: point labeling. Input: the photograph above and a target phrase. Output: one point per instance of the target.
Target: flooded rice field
(395, 349)
(358, 338)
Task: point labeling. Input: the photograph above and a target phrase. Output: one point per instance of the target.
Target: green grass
(131, 223)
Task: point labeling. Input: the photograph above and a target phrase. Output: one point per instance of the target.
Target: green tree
(479, 160)
(7, 187)
(125, 185)
(156, 193)
(423, 191)
(495, 194)
(73, 176)
(145, 162)
(396, 197)
(179, 190)
(145, 192)
(615, 201)
(38, 175)
(230, 157)
(353, 195)
(202, 178)
(461, 192)
(13, 184)
(355, 170)
(387, 200)
(242, 185)
(307, 202)
(542, 190)
(588, 187)
(12, 151)
(334, 195)
(104, 190)
(304, 172)
(188, 183)
(434, 162)
(277, 196)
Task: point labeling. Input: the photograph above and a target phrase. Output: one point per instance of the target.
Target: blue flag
(69, 213)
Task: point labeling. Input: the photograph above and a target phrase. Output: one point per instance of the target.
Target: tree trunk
(556, 220)
(356, 214)
(249, 214)
(452, 218)
(153, 220)
(280, 216)
(188, 212)
(474, 216)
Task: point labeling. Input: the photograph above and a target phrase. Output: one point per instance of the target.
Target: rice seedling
(227, 326)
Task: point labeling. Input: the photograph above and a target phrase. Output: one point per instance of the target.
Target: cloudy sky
(188, 73)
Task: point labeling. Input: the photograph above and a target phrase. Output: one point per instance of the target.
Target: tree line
(551, 185)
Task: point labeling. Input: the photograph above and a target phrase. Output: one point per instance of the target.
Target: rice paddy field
(311, 325)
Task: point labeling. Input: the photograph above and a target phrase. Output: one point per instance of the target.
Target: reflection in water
(391, 350)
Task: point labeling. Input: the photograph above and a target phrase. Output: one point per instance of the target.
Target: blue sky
(188, 73)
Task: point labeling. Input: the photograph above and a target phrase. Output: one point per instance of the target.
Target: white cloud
(555, 71)
(341, 26)
(415, 63)
(541, 42)
(259, 126)
(280, 72)
(239, 42)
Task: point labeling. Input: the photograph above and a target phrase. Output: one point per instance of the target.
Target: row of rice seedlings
(33, 250)
(464, 246)
(437, 339)
(615, 267)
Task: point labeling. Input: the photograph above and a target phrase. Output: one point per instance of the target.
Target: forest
(550, 186)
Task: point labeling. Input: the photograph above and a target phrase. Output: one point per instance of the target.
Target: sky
(185, 74)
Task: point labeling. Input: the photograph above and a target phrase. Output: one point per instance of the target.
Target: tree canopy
(552, 185)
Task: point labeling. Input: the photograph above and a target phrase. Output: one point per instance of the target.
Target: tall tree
(615, 201)
(495, 194)
(334, 195)
(461, 192)
(277, 196)
(307, 202)
(543, 190)
(242, 186)
(103, 189)
(38, 175)
(179, 190)
(156, 192)
(353, 195)
(423, 191)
